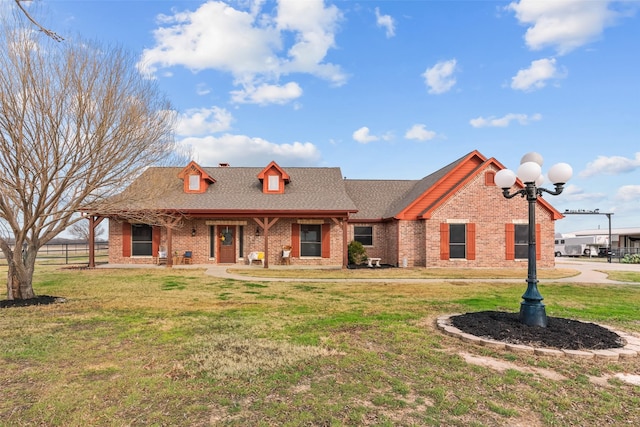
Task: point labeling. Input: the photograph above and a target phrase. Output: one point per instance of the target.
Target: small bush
(631, 259)
(357, 253)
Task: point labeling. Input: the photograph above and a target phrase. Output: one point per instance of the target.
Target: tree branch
(53, 35)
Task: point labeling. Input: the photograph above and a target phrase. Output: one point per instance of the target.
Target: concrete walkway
(591, 271)
(588, 274)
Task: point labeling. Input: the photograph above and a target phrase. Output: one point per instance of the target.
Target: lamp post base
(533, 314)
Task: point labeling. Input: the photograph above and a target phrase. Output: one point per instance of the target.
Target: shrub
(631, 259)
(357, 253)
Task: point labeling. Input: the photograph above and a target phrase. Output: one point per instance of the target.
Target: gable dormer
(195, 179)
(273, 179)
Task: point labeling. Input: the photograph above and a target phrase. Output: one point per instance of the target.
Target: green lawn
(179, 348)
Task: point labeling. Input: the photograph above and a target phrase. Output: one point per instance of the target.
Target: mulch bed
(560, 333)
(38, 300)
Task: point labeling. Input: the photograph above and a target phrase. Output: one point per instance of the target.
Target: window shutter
(538, 243)
(126, 240)
(295, 240)
(471, 241)
(444, 241)
(490, 178)
(510, 241)
(326, 240)
(155, 240)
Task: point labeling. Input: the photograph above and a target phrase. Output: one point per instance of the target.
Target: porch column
(345, 243)
(169, 247)
(266, 225)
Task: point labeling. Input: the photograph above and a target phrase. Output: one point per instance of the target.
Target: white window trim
(194, 182)
(273, 181)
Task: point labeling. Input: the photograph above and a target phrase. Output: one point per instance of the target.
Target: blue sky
(395, 89)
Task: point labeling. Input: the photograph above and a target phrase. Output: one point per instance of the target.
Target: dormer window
(194, 182)
(273, 183)
(195, 179)
(273, 179)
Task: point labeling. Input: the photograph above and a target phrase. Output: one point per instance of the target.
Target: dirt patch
(560, 333)
(39, 300)
(503, 365)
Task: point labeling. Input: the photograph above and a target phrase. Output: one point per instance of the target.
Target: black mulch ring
(39, 300)
(560, 333)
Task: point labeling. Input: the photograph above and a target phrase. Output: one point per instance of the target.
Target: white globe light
(540, 181)
(532, 157)
(560, 173)
(505, 178)
(529, 172)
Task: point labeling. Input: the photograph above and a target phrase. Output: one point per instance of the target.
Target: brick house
(455, 216)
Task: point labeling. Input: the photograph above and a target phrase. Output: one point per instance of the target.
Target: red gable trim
(193, 166)
(433, 197)
(462, 174)
(274, 165)
(194, 169)
(273, 170)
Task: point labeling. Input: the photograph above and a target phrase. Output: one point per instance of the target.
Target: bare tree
(77, 124)
(80, 230)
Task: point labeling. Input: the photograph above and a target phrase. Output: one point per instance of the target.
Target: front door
(227, 244)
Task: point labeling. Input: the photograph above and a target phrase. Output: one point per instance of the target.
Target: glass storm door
(226, 244)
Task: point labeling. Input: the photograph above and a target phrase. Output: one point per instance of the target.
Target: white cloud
(201, 121)
(574, 193)
(563, 24)
(256, 47)
(202, 89)
(613, 165)
(537, 75)
(419, 132)
(386, 22)
(628, 193)
(313, 26)
(504, 121)
(267, 94)
(439, 78)
(242, 150)
(363, 135)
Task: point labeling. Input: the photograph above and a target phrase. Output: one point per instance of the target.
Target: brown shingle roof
(375, 199)
(383, 199)
(238, 188)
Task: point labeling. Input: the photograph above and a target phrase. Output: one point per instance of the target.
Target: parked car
(602, 252)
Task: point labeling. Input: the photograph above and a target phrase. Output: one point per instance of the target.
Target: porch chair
(187, 258)
(161, 258)
(286, 255)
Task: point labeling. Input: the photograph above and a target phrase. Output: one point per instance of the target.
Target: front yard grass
(180, 348)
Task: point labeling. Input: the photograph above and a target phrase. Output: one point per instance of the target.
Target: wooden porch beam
(266, 224)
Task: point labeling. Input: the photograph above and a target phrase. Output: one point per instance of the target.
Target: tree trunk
(20, 275)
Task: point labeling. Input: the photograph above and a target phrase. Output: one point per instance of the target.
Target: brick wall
(199, 245)
(485, 206)
(384, 243)
(394, 241)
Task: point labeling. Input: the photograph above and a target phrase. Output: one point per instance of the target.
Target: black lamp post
(532, 311)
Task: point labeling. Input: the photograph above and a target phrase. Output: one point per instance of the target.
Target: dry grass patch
(220, 356)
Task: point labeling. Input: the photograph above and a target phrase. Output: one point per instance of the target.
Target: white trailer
(579, 246)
